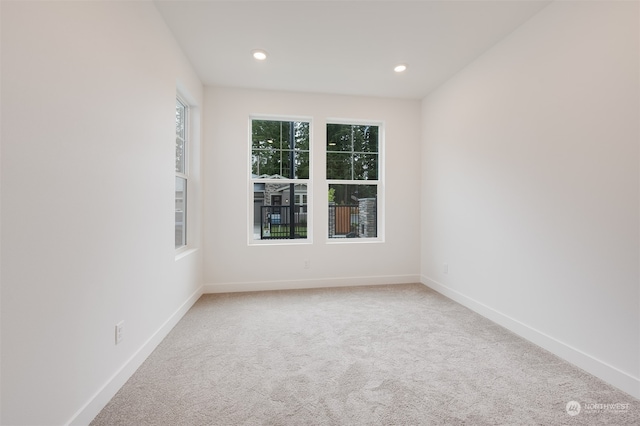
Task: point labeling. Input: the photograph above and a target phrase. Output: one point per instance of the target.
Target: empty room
(382, 212)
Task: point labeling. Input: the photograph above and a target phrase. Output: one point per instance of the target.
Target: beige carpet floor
(377, 355)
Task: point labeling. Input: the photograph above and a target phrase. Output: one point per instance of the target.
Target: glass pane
(274, 134)
(180, 155)
(365, 138)
(352, 138)
(181, 112)
(339, 165)
(353, 211)
(339, 137)
(180, 119)
(365, 166)
(302, 164)
(265, 163)
(181, 212)
(272, 151)
(277, 214)
(285, 164)
(267, 134)
(271, 163)
(302, 136)
(352, 152)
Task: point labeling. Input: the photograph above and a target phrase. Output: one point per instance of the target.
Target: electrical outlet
(445, 268)
(119, 332)
(307, 264)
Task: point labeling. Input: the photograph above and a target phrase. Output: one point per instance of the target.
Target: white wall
(529, 194)
(530, 186)
(88, 101)
(231, 264)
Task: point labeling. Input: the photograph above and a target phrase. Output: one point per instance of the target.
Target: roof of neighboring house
(286, 188)
(254, 176)
(260, 186)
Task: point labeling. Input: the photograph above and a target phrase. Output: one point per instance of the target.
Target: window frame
(379, 182)
(251, 241)
(183, 175)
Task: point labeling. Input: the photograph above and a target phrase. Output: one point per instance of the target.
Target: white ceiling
(340, 47)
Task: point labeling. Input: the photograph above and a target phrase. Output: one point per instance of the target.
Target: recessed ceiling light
(260, 55)
(400, 68)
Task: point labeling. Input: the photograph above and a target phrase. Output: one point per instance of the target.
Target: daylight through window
(181, 174)
(353, 170)
(280, 158)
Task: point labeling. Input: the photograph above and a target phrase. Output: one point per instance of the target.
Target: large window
(353, 172)
(181, 174)
(280, 159)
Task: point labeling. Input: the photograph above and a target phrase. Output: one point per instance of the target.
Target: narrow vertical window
(353, 171)
(181, 174)
(280, 179)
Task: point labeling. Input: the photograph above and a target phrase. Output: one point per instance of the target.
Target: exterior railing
(279, 222)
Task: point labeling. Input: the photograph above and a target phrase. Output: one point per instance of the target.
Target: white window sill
(340, 240)
(280, 242)
(184, 252)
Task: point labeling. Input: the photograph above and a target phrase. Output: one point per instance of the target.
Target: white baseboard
(588, 363)
(97, 402)
(314, 283)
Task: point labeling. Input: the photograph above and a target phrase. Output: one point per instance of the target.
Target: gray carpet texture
(372, 355)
